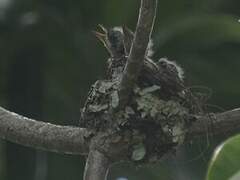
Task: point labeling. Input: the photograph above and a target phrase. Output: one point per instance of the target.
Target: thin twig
(41, 135)
(97, 166)
(138, 50)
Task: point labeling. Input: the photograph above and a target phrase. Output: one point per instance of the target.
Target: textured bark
(97, 166)
(138, 50)
(41, 135)
(71, 140)
(214, 124)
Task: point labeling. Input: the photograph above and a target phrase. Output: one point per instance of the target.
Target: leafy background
(49, 58)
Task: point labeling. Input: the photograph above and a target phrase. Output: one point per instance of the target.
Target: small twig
(41, 135)
(97, 166)
(138, 50)
(214, 124)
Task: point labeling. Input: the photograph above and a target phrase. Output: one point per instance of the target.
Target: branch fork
(83, 141)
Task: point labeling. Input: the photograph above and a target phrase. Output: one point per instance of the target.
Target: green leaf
(225, 163)
(235, 176)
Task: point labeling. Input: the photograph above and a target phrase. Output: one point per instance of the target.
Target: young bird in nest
(118, 41)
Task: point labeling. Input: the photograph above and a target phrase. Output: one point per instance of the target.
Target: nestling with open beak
(118, 42)
(112, 39)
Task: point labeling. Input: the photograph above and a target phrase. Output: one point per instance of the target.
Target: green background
(49, 58)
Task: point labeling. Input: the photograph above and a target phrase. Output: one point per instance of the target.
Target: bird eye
(163, 64)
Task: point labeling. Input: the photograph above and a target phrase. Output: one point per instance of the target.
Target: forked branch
(71, 140)
(136, 57)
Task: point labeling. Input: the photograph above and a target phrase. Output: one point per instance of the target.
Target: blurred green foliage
(225, 161)
(49, 58)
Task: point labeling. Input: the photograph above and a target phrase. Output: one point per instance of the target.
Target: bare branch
(228, 121)
(138, 50)
(97, 166)
(41, 135)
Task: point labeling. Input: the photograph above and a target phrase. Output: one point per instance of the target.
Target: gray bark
(216, 123)
(138, 50)
(41, 135)
(97, 166)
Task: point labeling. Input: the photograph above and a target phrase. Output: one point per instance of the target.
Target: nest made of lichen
(156, 126)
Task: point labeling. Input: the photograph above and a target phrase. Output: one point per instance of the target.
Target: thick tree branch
(71, 140)
(216, 123)
(138, 50)
(41, 135)
(97, 166)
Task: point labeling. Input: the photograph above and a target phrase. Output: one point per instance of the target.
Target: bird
(165, 73)
(118, 41)
(112, 39)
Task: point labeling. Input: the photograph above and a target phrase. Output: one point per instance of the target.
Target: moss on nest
(156, 126)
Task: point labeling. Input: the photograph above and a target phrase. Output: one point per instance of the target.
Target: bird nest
(157, 116)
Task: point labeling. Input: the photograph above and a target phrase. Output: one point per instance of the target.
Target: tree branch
(97, 166)
(138, 50)
(41, 135)
(71, 140)
(216, 123)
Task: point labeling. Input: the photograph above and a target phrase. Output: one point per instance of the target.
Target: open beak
(102, 36)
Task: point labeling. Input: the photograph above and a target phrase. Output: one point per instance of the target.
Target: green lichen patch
(101, 99)
(114, 99)
(148, 127)
(139, 151)
(155, 125)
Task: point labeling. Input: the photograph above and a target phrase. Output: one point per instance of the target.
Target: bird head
(112, 39)
(117, 40)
